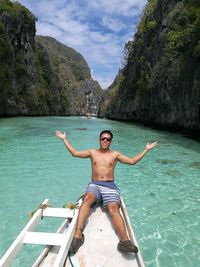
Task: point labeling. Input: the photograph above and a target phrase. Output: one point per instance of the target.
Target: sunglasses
(106, 139)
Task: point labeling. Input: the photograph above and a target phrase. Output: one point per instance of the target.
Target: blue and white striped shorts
(104, 193)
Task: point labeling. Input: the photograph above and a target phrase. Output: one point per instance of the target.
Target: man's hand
(150, 146)
(60, 135)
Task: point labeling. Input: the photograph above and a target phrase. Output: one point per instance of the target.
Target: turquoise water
(161, 192)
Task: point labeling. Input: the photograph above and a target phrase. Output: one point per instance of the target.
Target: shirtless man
(102, 187)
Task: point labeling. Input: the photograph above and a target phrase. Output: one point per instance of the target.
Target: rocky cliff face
(160, 82)
(38, 75)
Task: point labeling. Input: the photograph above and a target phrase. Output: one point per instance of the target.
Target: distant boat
(88, 115)
(99, 248)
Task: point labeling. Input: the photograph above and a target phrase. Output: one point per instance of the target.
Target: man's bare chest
(103, 160)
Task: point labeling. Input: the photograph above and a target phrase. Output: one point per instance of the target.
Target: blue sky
(98, 29)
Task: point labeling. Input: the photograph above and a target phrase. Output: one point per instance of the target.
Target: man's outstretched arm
(70, 148)
(127, 160)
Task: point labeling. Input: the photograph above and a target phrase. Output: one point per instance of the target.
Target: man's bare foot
(127, 246)
(79, 234)
(77, 241)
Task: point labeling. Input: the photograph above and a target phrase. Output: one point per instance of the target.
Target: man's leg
(125, 245)
(117, 220)
(84, 213)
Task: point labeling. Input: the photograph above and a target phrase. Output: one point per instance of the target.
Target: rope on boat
(73, 206)
(42, 207)
(70, 206)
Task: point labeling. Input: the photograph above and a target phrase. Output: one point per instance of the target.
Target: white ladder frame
(26, 236)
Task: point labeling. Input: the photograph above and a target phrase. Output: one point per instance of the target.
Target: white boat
(99, 248)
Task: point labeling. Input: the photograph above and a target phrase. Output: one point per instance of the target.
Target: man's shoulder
(115, 152)
(93, 151)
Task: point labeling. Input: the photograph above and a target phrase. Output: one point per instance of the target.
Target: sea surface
(161, 192)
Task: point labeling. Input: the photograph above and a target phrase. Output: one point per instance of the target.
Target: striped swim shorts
(105, 192)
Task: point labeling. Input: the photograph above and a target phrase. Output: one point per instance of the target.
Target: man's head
(105, 139)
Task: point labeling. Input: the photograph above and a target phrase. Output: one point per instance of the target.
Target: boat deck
(100, 246)
(98, 250)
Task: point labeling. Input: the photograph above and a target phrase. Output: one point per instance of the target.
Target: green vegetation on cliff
(60, 56)
(184, 35)
(161, 74)
(5, 81)
(12, 68)
(39, 75)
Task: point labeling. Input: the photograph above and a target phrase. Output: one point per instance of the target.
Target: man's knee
(113, 209)
(89, 198)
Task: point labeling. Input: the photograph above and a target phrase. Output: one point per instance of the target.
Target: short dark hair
(107, 131)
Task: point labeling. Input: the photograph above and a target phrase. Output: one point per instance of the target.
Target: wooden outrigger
(99, 248)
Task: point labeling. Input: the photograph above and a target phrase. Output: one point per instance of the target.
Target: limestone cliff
(160, 82)
(38, 75)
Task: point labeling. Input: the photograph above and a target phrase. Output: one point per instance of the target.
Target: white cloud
(105, 82)
(44, 28)
(113, 24)
(118, 7)
(98, 29)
